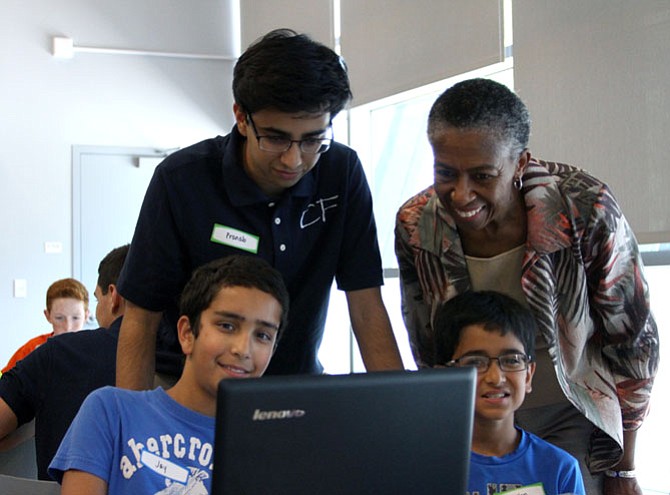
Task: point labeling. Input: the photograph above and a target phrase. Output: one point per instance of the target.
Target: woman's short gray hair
(482, 104)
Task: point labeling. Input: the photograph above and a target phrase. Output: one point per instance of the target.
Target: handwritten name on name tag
(238, 239)
(164, 467)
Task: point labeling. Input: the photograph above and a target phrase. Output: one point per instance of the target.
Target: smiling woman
(473, 172)
(545, 227)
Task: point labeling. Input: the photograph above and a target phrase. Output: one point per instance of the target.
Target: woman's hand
(621, 486)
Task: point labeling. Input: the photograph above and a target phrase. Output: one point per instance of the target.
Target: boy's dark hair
(231, 271)
(109, 268)
(482, 104)
(291, 73)
(496, 312)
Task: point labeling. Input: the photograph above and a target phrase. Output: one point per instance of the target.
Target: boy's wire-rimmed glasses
(506, 362)
(281, 144)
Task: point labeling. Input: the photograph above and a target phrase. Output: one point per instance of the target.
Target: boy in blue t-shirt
(496, 335)
(161, 441)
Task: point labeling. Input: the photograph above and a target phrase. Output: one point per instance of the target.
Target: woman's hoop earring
(518, 183)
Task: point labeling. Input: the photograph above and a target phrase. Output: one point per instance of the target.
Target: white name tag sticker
(535, 489)
(238, 239)
(164, 467)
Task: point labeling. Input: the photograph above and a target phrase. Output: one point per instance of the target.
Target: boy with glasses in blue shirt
(495, 334)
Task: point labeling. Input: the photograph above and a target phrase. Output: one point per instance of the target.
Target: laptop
(394, 432)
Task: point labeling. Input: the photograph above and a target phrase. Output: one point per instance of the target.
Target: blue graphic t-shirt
(139, 442)
(534, 461)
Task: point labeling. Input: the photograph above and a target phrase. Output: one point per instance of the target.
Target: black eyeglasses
(507, 362)
(281, 144)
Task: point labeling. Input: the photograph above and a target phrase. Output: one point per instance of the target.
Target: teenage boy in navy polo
(277, 187)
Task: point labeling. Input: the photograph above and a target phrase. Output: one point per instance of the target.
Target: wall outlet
(20, 287)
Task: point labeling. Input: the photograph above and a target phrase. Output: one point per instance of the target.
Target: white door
(108, 188)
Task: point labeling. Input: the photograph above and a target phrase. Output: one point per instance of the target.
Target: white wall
(48, 104)
(594, 75)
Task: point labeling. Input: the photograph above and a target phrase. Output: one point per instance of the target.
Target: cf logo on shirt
(316, 212)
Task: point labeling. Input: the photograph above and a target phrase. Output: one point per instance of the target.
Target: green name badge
(238, 239)
(535, 489)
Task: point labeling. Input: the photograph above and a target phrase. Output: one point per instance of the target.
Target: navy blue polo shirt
(201, 205)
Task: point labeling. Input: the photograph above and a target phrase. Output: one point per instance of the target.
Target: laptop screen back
(374, 433)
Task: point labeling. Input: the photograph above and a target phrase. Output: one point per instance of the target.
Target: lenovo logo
(285, 414)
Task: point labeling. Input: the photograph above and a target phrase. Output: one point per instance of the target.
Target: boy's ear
(185, 334)
(47, 315)
(529, 377)
(240, 119)
(116, 297)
